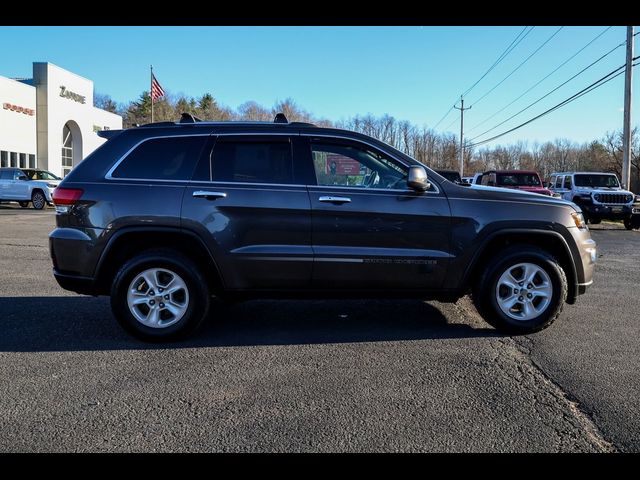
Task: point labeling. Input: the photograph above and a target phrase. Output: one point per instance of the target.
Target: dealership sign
(341, 165)
(16, 108)
(76, 97)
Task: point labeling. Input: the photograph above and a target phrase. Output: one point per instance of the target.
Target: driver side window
(350, 166)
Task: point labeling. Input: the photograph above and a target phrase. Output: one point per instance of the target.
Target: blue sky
(412, 73)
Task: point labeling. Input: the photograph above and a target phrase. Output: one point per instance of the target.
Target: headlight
(579, 220)
(597, 197)
(51, 185)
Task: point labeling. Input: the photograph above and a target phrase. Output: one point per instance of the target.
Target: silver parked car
(15, 186)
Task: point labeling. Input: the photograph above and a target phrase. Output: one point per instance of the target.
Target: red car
(526, 180)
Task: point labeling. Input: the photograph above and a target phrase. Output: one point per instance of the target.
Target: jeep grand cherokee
(164, 216)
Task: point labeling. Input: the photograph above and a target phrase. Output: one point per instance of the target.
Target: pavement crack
(521, 349)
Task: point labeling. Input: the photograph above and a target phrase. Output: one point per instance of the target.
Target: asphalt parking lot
(315, 375)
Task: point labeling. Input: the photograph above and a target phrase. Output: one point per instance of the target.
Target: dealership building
(49, 121)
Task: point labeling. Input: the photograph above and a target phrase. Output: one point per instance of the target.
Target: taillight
(66, 196)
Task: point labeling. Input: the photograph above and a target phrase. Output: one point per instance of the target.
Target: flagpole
(151, 92)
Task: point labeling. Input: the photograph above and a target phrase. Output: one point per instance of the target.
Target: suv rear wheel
(160, 295)
(523, 292)
(23, 204)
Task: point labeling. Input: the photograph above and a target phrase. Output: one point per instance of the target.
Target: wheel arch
(550, 241)
(127, 242)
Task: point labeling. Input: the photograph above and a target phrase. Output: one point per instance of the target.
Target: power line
(540, 81)
(582, 92)
(550, 92)
(521, 64)
(502, 56)
(454, 121)
(444, 116)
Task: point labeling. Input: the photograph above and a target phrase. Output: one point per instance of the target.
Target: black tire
(38, 200)
(198, 295)
(23, 204)
(595, 221)
(485, 295)
(628, 224)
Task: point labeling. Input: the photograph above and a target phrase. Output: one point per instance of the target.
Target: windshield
(44, 175)
(518, 180)
(596, 180)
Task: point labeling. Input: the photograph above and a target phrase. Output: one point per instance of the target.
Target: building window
(14, 159)
(67, 150)
(32, 161)
(4, 159)
(23, 160)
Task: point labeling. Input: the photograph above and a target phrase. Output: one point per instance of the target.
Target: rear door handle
(208, 194)
(335, 199)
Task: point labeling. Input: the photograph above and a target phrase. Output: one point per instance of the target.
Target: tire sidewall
(198, 297)
(558, 283)
(33, 200)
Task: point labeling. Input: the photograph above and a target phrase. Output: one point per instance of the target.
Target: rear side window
(170, 158)
(252, 161)
(567, 182)
(559, 182)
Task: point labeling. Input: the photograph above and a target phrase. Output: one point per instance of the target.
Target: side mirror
(23, 177)
(417, 178)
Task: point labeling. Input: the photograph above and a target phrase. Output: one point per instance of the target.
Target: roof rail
(280, 118)
(188, 118)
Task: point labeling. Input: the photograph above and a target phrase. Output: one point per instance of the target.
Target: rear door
(6, 182)
(246, 201)
(567, 187)
(370, 231)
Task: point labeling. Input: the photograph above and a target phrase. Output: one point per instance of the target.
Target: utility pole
(462, 109)
(626, 133)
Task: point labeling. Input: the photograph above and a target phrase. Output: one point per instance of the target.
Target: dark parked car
(164, 216)
(450, 175)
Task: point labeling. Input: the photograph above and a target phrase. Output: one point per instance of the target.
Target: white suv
(15, 186)
(598, 194)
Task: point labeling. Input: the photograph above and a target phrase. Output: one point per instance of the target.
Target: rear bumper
(75, 283)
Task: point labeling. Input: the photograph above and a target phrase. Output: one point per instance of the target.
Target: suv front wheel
(160, 295)
(523, 292)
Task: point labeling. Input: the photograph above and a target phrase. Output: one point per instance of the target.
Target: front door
(369, 230)
(20, 187)
(246, 201)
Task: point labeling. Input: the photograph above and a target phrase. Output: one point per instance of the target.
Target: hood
(517, 195)
(45, 183)
(538, 189)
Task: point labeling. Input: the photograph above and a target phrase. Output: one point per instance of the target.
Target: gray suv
(164, 216)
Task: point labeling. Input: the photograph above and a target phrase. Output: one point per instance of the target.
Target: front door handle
(208, 194)
(335, 199)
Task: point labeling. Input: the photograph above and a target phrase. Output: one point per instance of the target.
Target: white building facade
(49, 121)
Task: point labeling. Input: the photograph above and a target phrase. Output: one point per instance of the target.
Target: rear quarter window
(170, 158)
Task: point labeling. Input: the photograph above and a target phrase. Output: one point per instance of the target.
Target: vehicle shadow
(34, 324)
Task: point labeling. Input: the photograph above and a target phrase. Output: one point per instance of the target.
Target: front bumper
(585, 255)
(610, 212)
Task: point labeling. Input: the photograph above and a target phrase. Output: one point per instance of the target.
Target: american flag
(156, 89)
